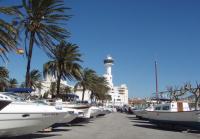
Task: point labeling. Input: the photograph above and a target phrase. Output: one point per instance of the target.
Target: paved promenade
(114, 126)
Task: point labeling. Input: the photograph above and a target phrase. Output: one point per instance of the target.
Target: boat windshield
(15, 97)
(40, 102)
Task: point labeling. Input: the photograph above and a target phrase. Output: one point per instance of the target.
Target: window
(158, 108)
(165, 107)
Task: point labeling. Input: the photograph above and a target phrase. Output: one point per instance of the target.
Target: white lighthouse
(108, 62)
(119, 94)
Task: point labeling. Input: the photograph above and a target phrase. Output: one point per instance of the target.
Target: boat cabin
(173, 107)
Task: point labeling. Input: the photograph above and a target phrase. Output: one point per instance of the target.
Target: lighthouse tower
(108, 62)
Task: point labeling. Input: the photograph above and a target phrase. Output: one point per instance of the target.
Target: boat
(142, 113)
(71, 114)
(103, 111)
(174, 113)
(21, 117)
(81, 109)
(94, 111)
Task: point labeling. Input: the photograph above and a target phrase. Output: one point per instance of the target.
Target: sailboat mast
(156, 75)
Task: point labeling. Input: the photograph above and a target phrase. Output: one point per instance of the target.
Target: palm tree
(4, 75)
(35, 79)
(42, 22)
(8, 33)
(68, 89)
(13, 83)
(52, 89)
(63, 89)
(64, 63)
(87, 81)
(100, 88)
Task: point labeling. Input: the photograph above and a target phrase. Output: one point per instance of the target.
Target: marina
(125, 69)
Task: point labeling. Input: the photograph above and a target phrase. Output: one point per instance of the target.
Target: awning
(71, 95)
(19, 90)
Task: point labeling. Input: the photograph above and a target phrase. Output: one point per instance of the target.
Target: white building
(119, 94)
(87, 95)
(46, 84)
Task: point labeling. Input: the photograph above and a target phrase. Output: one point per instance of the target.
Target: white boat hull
(68, 118)
(94, 111)
(140, 114)
(185, 117)
(15, 124)
(81, 110)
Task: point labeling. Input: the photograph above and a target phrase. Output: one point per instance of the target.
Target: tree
(195, 91)
(87, 81)
(4, 75)
(100, 88)
(66, 89)
(13, 83)
(53, 88)
(41, 22)
(94, 83)
(35, 79)
(175, 93)
(64, 63)
(8, 33)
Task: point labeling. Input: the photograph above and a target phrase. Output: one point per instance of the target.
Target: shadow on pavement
(132, 117)
(59, 125)
(34, 136)
(150, 126)
(135, 118)
(60, 130)
(169, 128)
(194, 131)
(80, 120)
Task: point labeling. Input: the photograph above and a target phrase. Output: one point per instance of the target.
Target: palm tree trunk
(29, 59)
(83, 94)
(91, 96)
(58, 85)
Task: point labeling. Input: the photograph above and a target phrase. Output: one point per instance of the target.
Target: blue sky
(135, 33)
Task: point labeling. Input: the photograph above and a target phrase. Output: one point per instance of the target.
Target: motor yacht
(20, 117)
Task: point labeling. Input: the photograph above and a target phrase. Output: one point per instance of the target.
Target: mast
(156, 75)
